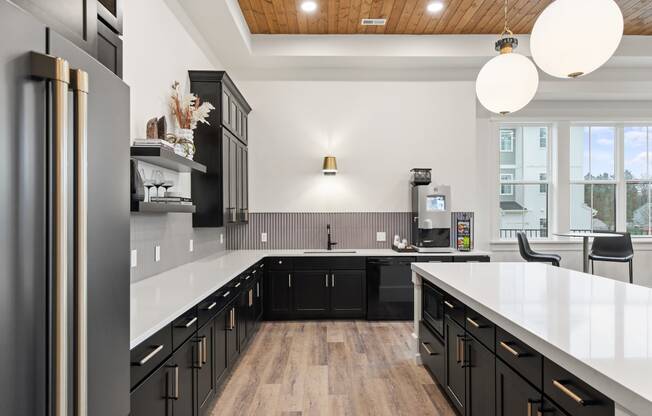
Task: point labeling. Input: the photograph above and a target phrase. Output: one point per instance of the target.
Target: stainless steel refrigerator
(64, 222)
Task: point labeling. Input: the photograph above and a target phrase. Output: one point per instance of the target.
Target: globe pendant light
(572, 38)
(508, 81)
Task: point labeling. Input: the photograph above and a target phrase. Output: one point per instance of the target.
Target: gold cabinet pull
(510, 349)
(450, 305)
(568, 392)
(426, 346)
(473, 322)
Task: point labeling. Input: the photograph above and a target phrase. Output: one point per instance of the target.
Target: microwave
(433, 308)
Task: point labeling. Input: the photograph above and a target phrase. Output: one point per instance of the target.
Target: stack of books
(171, 200)
(153, 143)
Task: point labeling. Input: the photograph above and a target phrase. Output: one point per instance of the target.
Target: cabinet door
(109, 49)
(480, 379)
(239, 177)
(245, 183)
(455, 371)
(219, 353)
(206, 366)
(184, 359)
(76, 20)
(514, 395)
(242, 314)
(347, 293)
(152, 398)
(258, 299)
(226, 108)
(233, 178)
(279, 289)
(231, 336)
(245, 128)
(310, 290)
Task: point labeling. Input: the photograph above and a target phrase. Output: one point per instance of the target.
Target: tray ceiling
(411, 16)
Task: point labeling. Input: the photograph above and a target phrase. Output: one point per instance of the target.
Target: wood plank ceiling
(411, 16)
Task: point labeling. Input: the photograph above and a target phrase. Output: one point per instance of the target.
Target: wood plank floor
(331, 368)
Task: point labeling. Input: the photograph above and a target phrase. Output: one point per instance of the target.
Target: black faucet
(329, 243)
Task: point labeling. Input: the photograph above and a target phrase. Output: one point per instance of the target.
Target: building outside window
(638, 179)
(523, 180)
(592, 178)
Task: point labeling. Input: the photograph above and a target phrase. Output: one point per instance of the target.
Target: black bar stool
(613, 249)
(530, 255)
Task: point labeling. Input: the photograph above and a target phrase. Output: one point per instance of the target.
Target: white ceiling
(219, 27)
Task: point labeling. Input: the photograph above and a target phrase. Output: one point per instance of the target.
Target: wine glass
(158, 180)
(147, 183)
(167, 184)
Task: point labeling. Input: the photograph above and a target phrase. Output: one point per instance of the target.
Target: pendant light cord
(506, 27)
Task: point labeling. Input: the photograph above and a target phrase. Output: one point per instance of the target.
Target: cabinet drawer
(348, 263)
(210, 306)
(149, 354)
(572, 394)
(455, 309)
(520, 357)
(280, 263)
(330, 263)
(183, 327)
(471, 259)
(433, 353)
(481, 328)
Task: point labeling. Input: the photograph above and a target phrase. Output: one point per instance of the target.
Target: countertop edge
(620, 394)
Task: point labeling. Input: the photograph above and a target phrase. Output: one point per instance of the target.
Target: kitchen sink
(329, 251)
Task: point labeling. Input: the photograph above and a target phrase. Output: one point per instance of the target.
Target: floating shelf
(161, 207)
(166, 158)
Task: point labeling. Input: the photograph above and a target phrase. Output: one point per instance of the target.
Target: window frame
(647, 181)
(549, 126)
(507, 182)
(511, 141)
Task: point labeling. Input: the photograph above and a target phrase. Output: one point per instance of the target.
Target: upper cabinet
(93, 25)
(222, 194)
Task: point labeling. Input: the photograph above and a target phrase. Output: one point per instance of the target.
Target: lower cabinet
(514, 395)
(221, 323)
(232, 346)
(433, 353)
(455, 371)
(279, 293)
(480, 378)
(183, 379)
(347, 294)
(311, 293)
(205, 366)
(154, 396)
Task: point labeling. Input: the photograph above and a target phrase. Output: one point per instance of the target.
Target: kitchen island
(542, 338)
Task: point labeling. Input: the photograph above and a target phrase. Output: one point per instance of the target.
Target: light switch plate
(381, 236)
(134, 258)
(191, 245)
(221, 238)
(263, 237)
(157, 253)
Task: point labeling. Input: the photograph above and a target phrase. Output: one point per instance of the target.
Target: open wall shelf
(166, 158)
(161, 207)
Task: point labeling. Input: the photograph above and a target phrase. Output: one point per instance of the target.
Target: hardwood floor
(331, 368)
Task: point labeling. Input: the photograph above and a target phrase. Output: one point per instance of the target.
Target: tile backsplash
(299, 230)
(172, 232)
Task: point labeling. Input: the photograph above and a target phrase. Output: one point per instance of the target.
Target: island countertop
(158, 300)
(597, 328)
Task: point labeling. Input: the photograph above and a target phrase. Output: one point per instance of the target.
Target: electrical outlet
(381, 236)
(134, 258)
(191, 245)
(221, 238)
(263, 237)
(157, 253)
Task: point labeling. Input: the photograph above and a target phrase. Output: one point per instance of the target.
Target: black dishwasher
(390, 292)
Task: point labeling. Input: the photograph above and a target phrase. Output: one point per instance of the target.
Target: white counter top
(597, 328)
(158, 300)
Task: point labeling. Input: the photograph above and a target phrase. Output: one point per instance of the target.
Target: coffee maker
(431, 213)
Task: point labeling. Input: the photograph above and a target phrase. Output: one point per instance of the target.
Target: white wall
(377, 130)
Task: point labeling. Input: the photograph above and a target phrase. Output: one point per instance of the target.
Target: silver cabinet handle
(226, 295)
(290, 280)
(189, 323)
(251, 297)
(257, 290)
(426, 346)
(79, 84)
(238, 284)
(205, 341)
(254, 271)
(248, 276)
(211, 306)
(149, 356)
(473, 322)
(200, 353)
(326, 279)
(261, 265)
(176, 383)
(333, 280)
(56, 70)
(450, 305)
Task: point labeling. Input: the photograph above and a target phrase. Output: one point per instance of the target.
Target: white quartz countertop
(158, 300)
(597, 328)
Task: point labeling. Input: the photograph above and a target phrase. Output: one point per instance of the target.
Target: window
(507, 140)
(638, 180)
(592, 176)
(506, 189)
(524, 165)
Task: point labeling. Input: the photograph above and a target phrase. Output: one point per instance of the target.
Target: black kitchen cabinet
(455, 364)
(514, 395)
(221, 195)
(480, 365)
(433, 352)
(109, 49)
(232, 345)
(242, 316)
(222, 322)
(311, 294)
(154, 395)
(183, 364)
(110, 12)
(279, 290)
(205, 366)
(347, 298)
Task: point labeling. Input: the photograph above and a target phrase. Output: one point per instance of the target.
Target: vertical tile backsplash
(172, 232)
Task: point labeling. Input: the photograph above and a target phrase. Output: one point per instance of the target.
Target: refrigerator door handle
(56, 72)
(79, 86)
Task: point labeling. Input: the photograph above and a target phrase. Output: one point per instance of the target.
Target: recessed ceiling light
(435, 6)
(308, 6)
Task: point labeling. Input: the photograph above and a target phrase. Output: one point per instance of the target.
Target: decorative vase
(185, 144)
